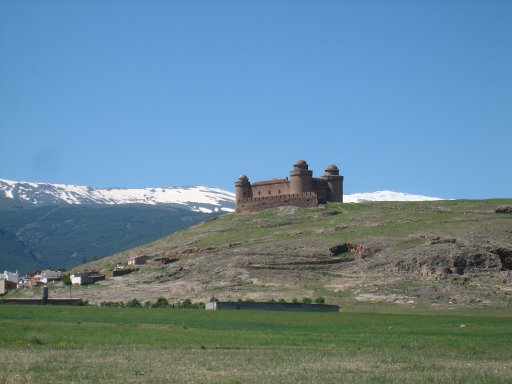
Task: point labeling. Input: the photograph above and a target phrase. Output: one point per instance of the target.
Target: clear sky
(412, 96)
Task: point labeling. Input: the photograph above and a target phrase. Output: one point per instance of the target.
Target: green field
(93, 344)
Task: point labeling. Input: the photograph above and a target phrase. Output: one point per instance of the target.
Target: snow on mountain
(385, 196)
(199, 199)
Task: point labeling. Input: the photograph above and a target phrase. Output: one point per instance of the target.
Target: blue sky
(412, 96)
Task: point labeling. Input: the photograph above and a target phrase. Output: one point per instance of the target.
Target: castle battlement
(301, 189)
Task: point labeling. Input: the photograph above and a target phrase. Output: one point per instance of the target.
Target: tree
(320, 300)
(134, 303)
(66, 279)
(161, 302)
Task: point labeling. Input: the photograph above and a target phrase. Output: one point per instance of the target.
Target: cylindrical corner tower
(301, 178)
(243, 188)
(335, 183)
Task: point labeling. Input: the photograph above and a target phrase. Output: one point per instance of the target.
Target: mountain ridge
(196, 198)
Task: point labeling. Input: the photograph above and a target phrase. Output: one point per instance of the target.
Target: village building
(138, 260)
(6, 285)
(24, 282)
(86, 277)
(301, 189)
(50, 276)
(10, 276)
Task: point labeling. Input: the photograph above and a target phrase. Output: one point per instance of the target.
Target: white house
(138, 260)
(10, 276)
(86, 277)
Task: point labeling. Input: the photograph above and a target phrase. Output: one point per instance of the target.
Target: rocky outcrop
(444, 258)
(505, 256)
(359, 249)
(504, 209)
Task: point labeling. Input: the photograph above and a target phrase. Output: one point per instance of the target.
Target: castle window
(269, 192)
(279, 191)
(259, 192)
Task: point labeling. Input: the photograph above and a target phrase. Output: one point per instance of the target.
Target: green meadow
(148, 345)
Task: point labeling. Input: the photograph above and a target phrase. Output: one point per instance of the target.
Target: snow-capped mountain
(199, 198)
(385, 196)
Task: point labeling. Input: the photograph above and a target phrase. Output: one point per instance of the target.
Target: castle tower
(335, 183)
(301, 178)
(242, 188)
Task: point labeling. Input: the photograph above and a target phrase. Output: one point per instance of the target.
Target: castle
(301, 189)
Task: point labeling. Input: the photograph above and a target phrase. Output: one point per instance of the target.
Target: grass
(395, 220)
(110, 345)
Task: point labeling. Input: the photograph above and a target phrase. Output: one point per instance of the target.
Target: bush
(282, 300)
(320, 300)
(188, 304)
(114, 304)
(213, 299)
(306, 300)
(161, 302)
(134, 303)
(147, 304)
(295, 300)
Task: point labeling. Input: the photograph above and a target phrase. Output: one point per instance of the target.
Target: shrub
(320, 300)
(114, 304)
(295, 300)
(161, 302)
(147, 304)
(213, 299)
(134, 303)
(306, 300)
(282, 300)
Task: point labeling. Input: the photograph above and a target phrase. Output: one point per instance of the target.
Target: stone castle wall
(306, 200)
(271, 188)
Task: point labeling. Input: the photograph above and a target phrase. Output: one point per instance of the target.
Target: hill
(433, 252)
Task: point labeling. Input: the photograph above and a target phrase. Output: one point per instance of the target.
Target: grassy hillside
(445, 254)
(62, 236)
(91, 345)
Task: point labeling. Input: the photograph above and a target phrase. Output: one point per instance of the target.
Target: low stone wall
(306, 200)
(261, 306)
(39, 301)
(120, 272)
